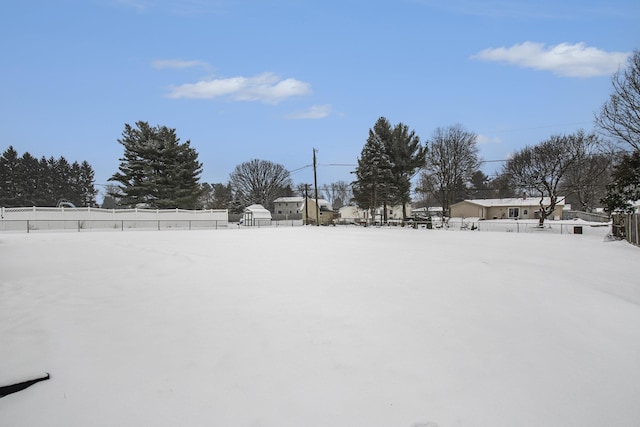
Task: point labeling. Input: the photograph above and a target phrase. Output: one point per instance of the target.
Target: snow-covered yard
(319, 326)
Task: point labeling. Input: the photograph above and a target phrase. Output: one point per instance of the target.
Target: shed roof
(258, 212)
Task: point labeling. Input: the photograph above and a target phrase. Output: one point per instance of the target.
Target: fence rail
(30, 225)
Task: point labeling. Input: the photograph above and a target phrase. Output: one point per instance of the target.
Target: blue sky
(271, 80)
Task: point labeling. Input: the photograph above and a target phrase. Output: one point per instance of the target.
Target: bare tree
(451, 160)
(259, 181)
(543, 167)
(586, 182)
(338, 193)
(620, 115)
(501, 187)
(424, 196)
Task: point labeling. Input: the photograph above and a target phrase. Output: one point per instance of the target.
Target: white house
(288, 207)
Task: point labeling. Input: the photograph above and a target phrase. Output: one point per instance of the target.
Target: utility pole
(306, 204)
(315, 184)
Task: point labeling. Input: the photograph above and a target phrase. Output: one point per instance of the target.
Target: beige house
(310, 213)
(516, 208)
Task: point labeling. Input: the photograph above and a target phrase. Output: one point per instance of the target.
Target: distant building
(288, 208)
(310, 213)
(353, 214)
(514, 208)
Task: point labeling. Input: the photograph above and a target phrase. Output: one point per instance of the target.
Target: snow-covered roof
(516, 201)
(427, 209)
(322, 203)
(258, 212)
(293, 199)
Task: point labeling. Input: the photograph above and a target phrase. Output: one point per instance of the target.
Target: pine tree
(10, 188)
(30, 176)
(626, 184)
(156, 169)
(406, 155)
(374, 184)
(27, 181)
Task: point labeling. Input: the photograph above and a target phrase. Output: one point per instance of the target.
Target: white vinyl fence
(35, 218)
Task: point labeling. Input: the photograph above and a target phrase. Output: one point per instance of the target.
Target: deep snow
(319, 326)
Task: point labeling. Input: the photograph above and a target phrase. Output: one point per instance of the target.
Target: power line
(535, 128)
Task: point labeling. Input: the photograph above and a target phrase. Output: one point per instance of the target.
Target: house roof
(322, 203)
(513, 202)
(294, 199)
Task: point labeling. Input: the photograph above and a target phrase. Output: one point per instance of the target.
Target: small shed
(256, 215)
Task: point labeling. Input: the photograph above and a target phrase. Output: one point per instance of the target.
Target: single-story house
(514, 208)
(256, 215)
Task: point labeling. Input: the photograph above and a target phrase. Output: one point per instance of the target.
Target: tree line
(157, 170)
(28, 181)
(583, 169)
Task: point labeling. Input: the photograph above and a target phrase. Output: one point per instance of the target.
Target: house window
(525, 212)
(514, 212)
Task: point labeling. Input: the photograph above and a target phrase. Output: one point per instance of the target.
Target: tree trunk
(543, 215)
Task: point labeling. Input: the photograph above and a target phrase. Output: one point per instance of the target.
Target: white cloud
(266, 87)
(178, 64)
(485, 139)
(564, 59)
(314, 112)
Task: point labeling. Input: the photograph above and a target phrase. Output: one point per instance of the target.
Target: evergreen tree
(374, 184)
(156, 170)
(479, 186)
(27, 181)
(30, 176)
(86, 186)
(216, 196)
(406, 155)
(9, 178)
(626, 184)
